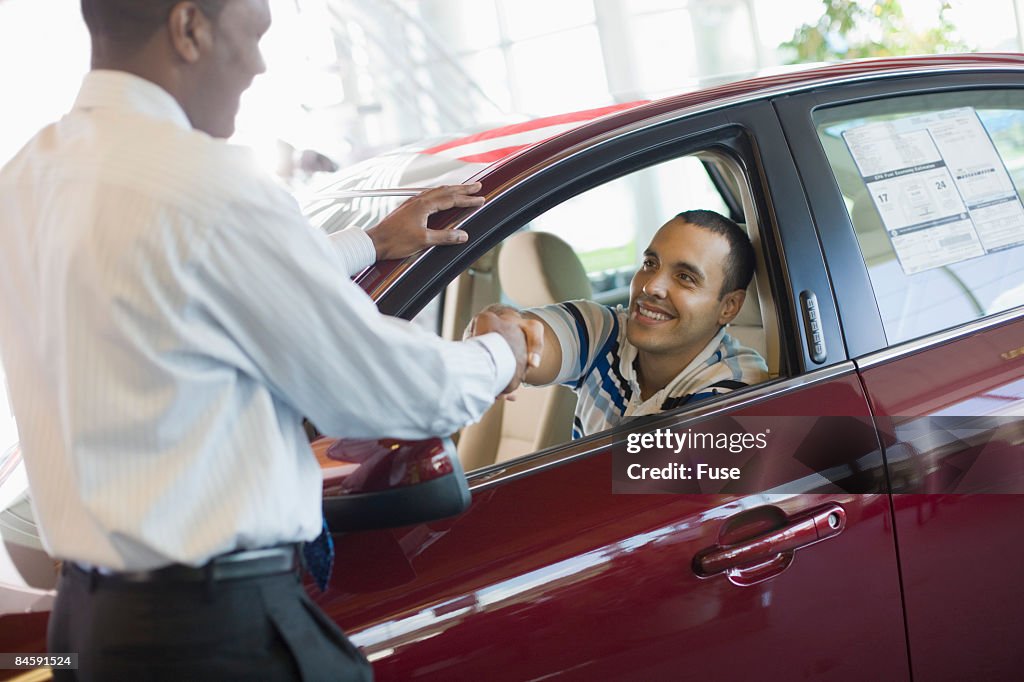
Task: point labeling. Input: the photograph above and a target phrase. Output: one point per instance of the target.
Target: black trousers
(263, 628)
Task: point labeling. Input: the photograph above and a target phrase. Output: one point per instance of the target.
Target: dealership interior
(337, 82)
(738, 278)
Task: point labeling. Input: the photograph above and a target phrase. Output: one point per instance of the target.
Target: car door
(938, 341)
(552, 574)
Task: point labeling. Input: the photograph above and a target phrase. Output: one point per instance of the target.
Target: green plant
(849, 29)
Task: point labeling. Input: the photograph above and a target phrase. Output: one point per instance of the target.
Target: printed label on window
(940, 187)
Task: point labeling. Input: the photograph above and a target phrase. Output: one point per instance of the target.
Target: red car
(870, 530)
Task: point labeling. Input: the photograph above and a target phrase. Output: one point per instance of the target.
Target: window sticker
(940, 187)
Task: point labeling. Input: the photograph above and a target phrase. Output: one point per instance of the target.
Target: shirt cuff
(355, 247)
(568, 341)
(502, 356)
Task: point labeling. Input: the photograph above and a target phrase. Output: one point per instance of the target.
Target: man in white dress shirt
(167, 317)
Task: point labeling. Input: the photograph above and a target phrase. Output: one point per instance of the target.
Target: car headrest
(750, 313)
(538, 268)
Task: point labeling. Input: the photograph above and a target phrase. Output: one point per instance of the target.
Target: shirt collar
(627, 367)
(122, 90)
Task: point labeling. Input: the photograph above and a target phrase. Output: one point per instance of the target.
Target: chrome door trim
(910, 347)
(359, 193)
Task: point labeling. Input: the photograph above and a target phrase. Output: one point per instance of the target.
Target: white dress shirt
(167, 316)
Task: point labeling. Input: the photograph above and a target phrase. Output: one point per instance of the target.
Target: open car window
(609, 226)
(590, 246)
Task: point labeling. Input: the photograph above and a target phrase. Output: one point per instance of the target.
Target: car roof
(758, 87)
(445, 162)
(455, 158)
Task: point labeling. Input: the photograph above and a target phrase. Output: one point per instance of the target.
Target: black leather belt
(249, 563)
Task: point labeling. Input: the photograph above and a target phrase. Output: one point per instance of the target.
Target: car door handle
(774, 547)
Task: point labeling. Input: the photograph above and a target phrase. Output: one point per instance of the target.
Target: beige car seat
(534, 269)
(756, 325)
(874, 240)
(747, 327)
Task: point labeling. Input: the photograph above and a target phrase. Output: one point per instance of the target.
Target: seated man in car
(670, 347)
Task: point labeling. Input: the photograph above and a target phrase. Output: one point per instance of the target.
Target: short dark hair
(126, 25)
(739, 267)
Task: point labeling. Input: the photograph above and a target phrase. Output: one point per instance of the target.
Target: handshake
(525, 336)
(404, 232)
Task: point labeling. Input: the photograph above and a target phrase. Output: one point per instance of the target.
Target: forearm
(425, 388)
(323, 347)
(356, 249)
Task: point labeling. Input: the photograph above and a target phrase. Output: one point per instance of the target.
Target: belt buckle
(252, 563)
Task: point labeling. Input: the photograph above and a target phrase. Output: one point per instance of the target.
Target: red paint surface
(551, 573)
(960, 544)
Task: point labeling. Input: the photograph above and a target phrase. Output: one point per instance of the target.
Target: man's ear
(191, 31)
(730, 307)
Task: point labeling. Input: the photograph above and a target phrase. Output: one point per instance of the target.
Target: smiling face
(676, 304)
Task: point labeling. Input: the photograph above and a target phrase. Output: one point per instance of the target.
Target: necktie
(318, 555)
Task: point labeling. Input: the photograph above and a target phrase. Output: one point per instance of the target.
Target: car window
(603, 226)
(932, 184)
(587, 247)
(609, 226)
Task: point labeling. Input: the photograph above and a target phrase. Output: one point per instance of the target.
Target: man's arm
(268, 289)
(544, 369)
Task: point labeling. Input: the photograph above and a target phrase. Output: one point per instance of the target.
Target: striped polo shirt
(598, 364)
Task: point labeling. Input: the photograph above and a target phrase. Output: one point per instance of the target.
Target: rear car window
(932, 184)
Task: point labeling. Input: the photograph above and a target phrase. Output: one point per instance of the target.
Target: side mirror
(388, 483)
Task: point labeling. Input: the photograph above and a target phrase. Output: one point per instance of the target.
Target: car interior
(564, 254)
